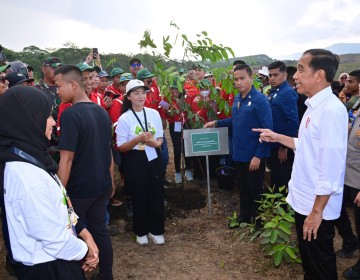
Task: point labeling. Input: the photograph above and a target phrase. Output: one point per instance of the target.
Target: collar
(280, 87)
(318, 98)
(249, 94)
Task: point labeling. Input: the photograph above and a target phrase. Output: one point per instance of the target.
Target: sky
(276, 28)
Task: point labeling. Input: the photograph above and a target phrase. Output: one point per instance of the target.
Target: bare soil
(198, 246)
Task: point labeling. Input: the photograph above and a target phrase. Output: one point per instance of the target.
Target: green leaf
(264, 241)
(270, 225)
(274, 235)
(227, 108)
(279, 247)
(204, 33)
(242, 235)
(291, 253)
(224, 54)
(278, 258)
(185, 37)
(285, 228)
(288, 217)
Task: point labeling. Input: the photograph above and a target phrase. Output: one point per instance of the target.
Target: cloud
(252, 27)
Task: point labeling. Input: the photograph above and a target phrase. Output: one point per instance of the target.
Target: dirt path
(197, 247)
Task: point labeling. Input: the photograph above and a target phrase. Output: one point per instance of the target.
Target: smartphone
(95, 53)
(111, 94)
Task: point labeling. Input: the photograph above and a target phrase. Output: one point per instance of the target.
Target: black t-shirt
(86, 130)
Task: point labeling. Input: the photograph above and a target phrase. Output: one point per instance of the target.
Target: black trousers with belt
(318, 255)
(146, 181)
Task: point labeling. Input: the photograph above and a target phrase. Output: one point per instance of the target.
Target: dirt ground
(197, 246)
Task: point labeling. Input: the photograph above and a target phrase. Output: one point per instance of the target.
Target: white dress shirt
(320, 155)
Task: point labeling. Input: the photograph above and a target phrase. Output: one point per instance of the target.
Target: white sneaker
(189, 175)
(157, 239)
(178, 178)
(142, 240)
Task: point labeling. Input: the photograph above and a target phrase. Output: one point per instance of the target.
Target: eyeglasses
(126, 78)
(343, 78)
(3, 79)
(135, 65)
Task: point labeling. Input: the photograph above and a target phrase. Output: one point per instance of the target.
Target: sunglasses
(343, 78)
(135, 65)
(3, 79)
(126, 78)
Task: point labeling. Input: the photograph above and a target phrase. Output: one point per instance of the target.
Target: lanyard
(71, 214)
(144, 130)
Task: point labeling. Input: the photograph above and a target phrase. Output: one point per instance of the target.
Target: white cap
(134, 84)
(264, 71)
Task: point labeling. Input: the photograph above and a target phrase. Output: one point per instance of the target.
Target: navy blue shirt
(250, 112)
(283, 101)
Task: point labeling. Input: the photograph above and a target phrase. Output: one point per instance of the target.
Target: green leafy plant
(203, 49)
(273, 226)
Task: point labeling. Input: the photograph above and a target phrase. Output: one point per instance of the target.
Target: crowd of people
(65, 134)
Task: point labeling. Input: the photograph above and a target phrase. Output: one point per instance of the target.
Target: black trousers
(343, 224)
(318, 255)
(146, 181)
(55, 270)
(92, 212)
(251, 187)
(280, 172)
(176, 138)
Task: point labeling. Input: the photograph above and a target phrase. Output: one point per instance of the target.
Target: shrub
(273, 226)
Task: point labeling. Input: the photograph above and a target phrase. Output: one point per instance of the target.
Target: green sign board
(205, 142)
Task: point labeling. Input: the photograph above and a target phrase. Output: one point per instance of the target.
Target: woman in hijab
(41, 223)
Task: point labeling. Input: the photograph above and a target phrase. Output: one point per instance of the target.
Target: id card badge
(177, 127)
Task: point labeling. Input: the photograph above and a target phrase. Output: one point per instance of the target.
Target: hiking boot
(142, 240)
(353, 272)
(115, 202)
(348, 249)
(157, 239)
(178, 179)
(188, 175)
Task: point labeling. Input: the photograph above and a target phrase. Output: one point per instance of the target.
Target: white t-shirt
(37, 217)
(128, 127)
(320, 155)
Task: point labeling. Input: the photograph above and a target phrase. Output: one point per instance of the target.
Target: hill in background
(33, 56)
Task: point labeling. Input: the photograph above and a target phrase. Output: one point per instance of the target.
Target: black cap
(16, 78)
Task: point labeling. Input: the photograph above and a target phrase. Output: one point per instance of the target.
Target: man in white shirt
(316, 185)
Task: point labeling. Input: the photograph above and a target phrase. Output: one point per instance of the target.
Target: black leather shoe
(353, 272)
(348, 249)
